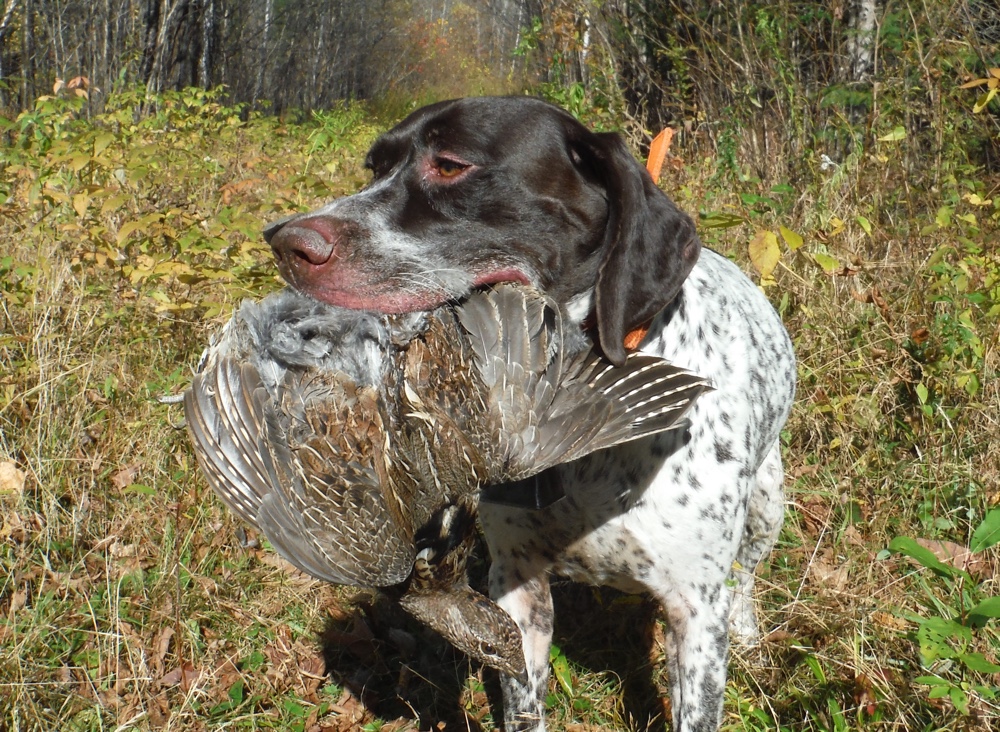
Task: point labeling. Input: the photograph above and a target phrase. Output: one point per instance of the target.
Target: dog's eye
(448, 168)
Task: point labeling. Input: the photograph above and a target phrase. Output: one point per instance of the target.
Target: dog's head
(476, 191)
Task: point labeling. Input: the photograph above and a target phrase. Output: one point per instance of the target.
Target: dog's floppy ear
(649, 245)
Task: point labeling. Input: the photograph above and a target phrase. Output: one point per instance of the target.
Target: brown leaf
(828, 572)
(779, 636)
(958, 556)
(17, 601)
(359, 641)
(161, 644)
(351, 714)
(804, 471)
(11, 479)
(125, 477)
(889, 621)
(864, 694)
(872, 296)
(159, 711)
(188, 676)
(816, 512)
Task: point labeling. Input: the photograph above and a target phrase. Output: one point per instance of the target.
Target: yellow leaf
(102, 141)
(995, 73)
(836, 226)
(764, 252)
(983, 100)
(973, 83)
(898, 133)
(975, 200)
(78, 162)
(81, 201)
(127, 228)
(793, 240)
(113, 203)
(943, 218)
(828, 263)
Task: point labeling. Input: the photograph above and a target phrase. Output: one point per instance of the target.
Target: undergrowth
(129, 598)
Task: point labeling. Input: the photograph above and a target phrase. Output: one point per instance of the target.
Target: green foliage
(126, 235)
(147, 199)
(957, 625)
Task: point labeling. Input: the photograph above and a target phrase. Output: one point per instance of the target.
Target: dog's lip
(391, 300)
(508, 274)
(386, 302)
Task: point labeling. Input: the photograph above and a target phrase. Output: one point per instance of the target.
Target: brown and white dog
(483, 190)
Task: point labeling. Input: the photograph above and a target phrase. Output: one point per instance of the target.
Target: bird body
(358, 443)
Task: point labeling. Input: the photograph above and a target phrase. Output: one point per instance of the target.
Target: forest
(845, 153)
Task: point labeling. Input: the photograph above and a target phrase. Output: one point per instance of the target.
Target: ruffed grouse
(357, 443)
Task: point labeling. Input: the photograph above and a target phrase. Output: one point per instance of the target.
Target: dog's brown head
(475, 191)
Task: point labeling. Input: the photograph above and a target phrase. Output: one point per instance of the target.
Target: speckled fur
(538, 198)
(674, 517)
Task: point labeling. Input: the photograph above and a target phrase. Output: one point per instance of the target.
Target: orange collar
(632, 339)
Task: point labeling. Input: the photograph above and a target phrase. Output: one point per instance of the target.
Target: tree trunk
(861, 42)
(205, 57)
(28, 54)
(262, 54)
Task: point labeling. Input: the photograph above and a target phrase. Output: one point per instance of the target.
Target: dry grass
(127, 601)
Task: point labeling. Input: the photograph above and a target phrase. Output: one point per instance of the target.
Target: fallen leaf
(889, 621)
(161, 644)
(18, 600)
(816, 512)
(158, 710)
(828, 572)
(779, 636)
(11, 479)
(829, 264)
(793, 240)
(958, 556)
(864, 694)
(872, 296)
(125, 477)
(188, 676)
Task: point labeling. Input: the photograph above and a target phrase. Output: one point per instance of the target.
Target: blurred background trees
(766, 78)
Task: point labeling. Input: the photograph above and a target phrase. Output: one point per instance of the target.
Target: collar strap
(632, 339)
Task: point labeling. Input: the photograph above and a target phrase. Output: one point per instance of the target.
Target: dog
(470, 192)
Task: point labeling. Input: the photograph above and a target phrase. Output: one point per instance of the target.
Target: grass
(129, 602)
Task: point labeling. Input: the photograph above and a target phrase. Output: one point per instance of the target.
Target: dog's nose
(296, 241)
(272, 228)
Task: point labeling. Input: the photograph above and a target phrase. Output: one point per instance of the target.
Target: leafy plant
(950, 635)
(992, 84)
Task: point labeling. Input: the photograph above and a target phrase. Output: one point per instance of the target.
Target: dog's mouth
(403, 293)
(495, 277)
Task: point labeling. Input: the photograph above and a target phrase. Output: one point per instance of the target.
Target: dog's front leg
(527, 598)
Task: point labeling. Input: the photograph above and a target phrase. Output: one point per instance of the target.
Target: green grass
(127, 601)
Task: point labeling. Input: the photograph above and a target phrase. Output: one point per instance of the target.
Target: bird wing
(552, 407)
(301, 466)
(226, 434)
(516, 339)
(597, 405)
